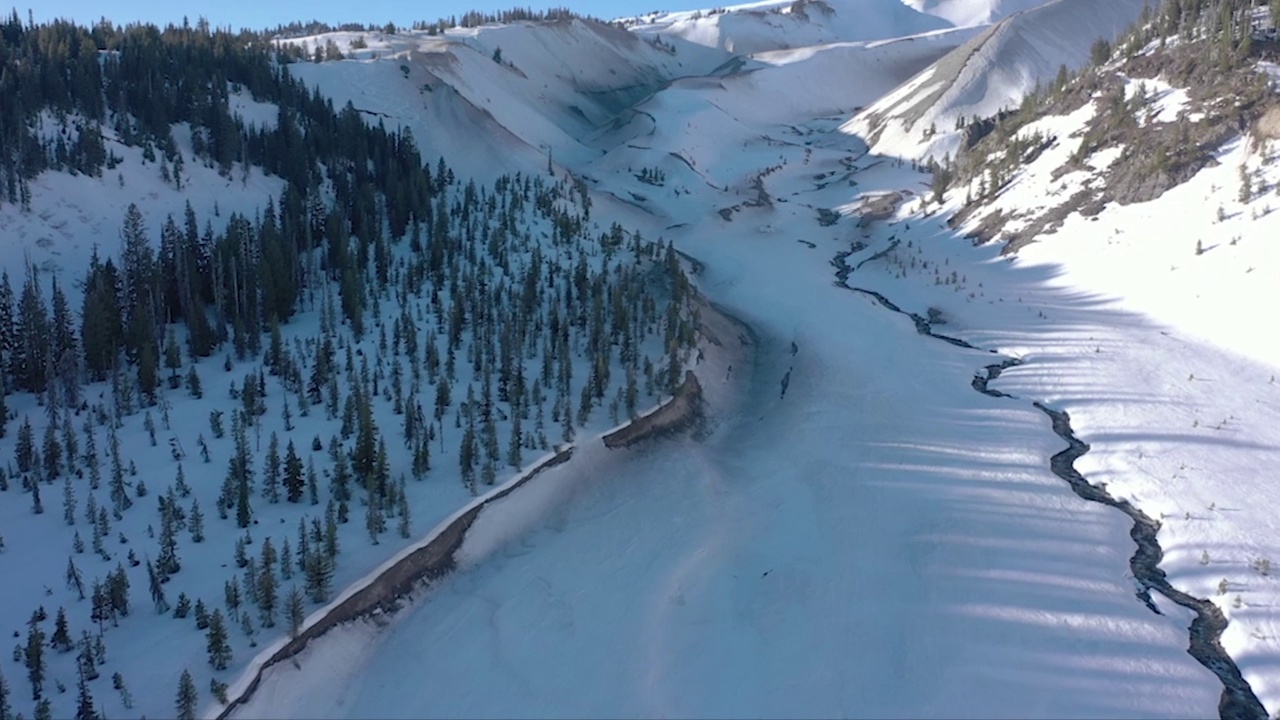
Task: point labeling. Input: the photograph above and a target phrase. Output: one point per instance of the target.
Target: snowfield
(852, 530)
(909, 553)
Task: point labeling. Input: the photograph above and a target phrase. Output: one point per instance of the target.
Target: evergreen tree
(35, 659)
(118, 591)
(64, 349)
(100, 333)
(68, 502)
(61, 639)
(84, 700)
(271, 471)
(74, 580)
(6, 710)
(126, 698)
(219, 649)
(157, 590)
(267, 593)
(183, 607)
(295, 610)
(188, 696)
(24, 451)
(294, 479)
(196, 522)
(29, 359)
(87, 660)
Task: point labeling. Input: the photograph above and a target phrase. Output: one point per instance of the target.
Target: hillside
(261, 377)
(989, 74)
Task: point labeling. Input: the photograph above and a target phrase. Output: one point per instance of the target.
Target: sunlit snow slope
(990, 73)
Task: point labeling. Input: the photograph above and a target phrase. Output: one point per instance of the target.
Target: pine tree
(195, 522)
(157, 590)
(294, 478)
(25, 449)
(29, 359)
(219, 650)
(84, 700)
(286, 560)
(126, 698)
(35, 659)
(364, 455)
(6, 710)
(319, 575)
(118, 591)
(193, 383)
(167, 563)
(61, 640)
(331, 533)
(64, 349)
(373, 519)
(242, 473)
(173, 359)
(267, 594)
(313, 483)
(271, 471)
(183, 606)
(88, 658)
(52, 448)
(119, 489)
(188, 696)
(74, 580)
(231, 594)
(403, 511)
(68, 502)
(294, 608)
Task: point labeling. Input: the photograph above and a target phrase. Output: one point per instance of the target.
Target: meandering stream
(1238, 701)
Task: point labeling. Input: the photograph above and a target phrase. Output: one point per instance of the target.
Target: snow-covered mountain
(963, 13)
(989, 74)
(784, 25)
(873, 514)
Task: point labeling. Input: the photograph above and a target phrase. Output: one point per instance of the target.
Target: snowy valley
(353, 298)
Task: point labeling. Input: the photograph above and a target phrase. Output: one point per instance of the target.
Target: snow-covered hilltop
(409, 279)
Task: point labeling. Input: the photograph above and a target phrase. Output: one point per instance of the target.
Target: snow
(909, 554)
(855, 531)
(911, 538)
(487, 118)
(72, 214)
(767, 26)
(989, 74)
(966, 13)
(1170, 378)
(1164, 102)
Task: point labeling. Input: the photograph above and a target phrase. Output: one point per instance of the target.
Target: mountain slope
(965, 13)
(989, 74)
(505, 97)
(774, 25)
